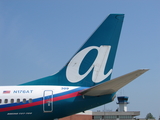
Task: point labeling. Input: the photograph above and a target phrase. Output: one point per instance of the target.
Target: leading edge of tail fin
(93, 63)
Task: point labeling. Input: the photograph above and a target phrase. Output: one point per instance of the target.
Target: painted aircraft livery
(83, 83)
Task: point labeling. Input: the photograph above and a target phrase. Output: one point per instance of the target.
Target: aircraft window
(12, 100)
(5, 100)
(0, 100)
(30, 100)
(24, 100)
(18, 100)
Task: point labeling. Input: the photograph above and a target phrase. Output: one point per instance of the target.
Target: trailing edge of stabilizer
(113, 85)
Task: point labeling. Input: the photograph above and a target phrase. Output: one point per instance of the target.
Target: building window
(110, 116)
(97, 117)
(125, 117)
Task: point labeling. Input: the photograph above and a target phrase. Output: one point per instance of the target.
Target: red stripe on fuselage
(40, 102)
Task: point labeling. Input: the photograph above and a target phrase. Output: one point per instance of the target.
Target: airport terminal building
(120, 114)
(130, 115)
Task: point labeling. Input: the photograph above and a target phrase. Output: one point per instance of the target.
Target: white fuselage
(15, 94)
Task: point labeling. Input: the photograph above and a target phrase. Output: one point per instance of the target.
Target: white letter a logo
(98, 66)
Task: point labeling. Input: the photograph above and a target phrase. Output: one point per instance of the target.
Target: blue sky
(38, 37)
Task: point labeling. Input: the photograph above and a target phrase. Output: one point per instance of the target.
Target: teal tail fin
(93, 63)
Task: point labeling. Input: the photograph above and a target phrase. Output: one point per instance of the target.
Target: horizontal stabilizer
(113, 85)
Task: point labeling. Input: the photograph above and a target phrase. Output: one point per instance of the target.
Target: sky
(37, 38)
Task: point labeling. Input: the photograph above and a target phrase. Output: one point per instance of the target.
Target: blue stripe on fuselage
(41, 98)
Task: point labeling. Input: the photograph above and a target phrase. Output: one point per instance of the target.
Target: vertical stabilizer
(93, 63)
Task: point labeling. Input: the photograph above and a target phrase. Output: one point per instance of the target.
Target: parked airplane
(83, 83)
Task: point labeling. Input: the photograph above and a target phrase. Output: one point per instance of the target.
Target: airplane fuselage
(45, 102)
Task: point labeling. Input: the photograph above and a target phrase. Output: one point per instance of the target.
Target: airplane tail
(93, 63)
